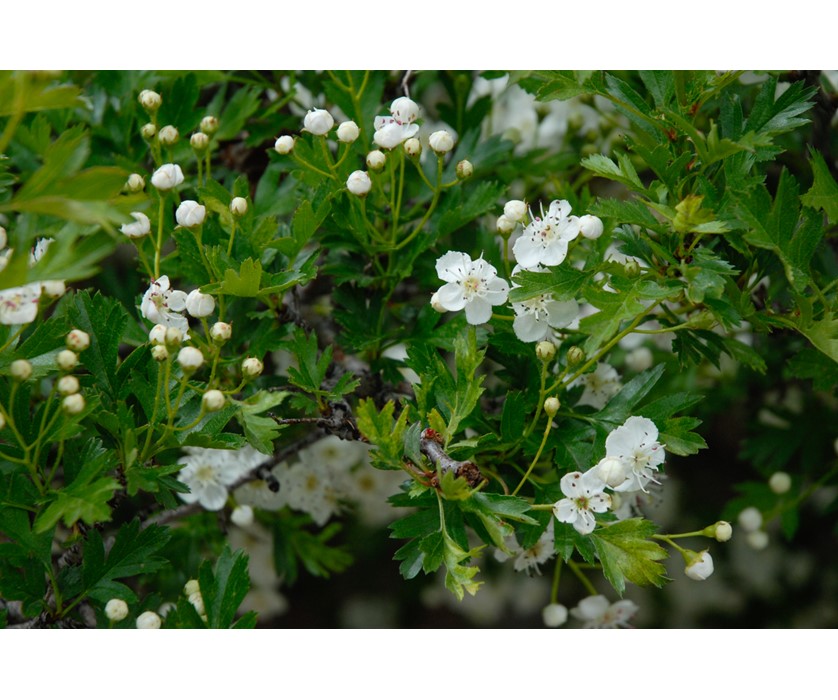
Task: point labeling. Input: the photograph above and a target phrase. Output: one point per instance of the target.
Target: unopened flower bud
(149, 620)
(284, 145)
(116, 609)
(750, 519)
(150, 101)
(167, 177)
(199, 305)
(160, 353)
(135, 183)
(21, 370)
(515, 209)
(168, 135)
(213, 400)
(551, 406)
(221, 332)
(611, 471)
(53, 288)
(779, 483)
(199, 142)
(2, 421)
(413, 147)
(545, 350)
(436, 305)
(640, 359)
(141, 226)
(699, 565)
(404, 110)
(441, 142)
(173, 337)
(757, 539)
(505, 225)
(318, 122)
(157, 335)
(66, 360)
(590, 226)
(348, 132)
(359, 183)
(575, 355)
(632, 268)
(190, 214)
(190, 359)
(242, 516)
(209, 125)
(464, 170)
(376, 160)
(721, 531)
(238, 207)
(77, 340)
(197, 601)
(4, 238)
(73, 404)
(68, 384)
(252, 367)
(148, 131)
(554, 615)
(191, 587)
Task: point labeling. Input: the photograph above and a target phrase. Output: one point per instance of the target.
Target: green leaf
(19, 95)
(133, 553)
(627, 553)
(223, 587)
(622, 405)
(261, 430)
(384, 433)
(293, 544)
(824, 191)
(676, 434)
(823, 335)
(623, 171)
(245, 282)
(563, 282)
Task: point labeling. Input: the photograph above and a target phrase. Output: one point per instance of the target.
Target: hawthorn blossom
(700, 567)
(636, 444)
(208, 472)
(597, 613)
(584, 498)
(19, 305)
(164, 305)
(601, 385)
(533, 557)
(397, 128)
(545, 239)
(167, 177)
(472, 285)
(318, 122)
(536, 316)
(139, 228)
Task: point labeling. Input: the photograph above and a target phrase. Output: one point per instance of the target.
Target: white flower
(311, 487)
(441, 142)
(19, 305)
(536, 316)
(190, 359)
(318, 122)
(242, 516)
(167, 177)
(780, 482)
(636, 444)
(701, 566)
(404, 110)
(584, 498)
(40, 249)
(590, 226)
(168, 135)
(163, 305)
(149, 620)
(515, 209)
(238, 206)
(284, 145)
(542, 551)
(116, 609)
(141, 226)
(258, 492)
(554, 615)
(190, 214)
(389, 133)
(750, 519)
(376, 160)
(359, 183)
(208, 472)
(348, 132)
(472, 285)
(199, 305)
(544, 241)
(601, 385)
(596, 612)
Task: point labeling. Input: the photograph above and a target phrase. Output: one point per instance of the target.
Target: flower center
(471, 286)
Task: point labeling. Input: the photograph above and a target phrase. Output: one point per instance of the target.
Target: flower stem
(159, 243)
(547, 429)
(583, 579)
